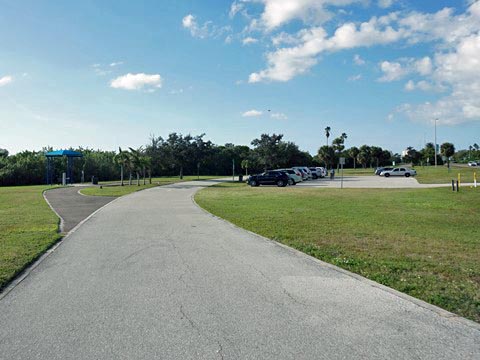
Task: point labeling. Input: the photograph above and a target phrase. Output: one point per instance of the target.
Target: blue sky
(104, 74)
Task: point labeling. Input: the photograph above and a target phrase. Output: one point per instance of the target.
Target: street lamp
(435, 145)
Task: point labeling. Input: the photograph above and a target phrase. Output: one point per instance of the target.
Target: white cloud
(235, 8)
(189, 22)
(113, 64)
(420, 85)
(279, 116)
(280, 12)
(207, 29)
(252, 113)
(410, 85)
(392, 71)
(358, 60)
(286, 63)
(137, 82)
(397, 70)
(385, 3)
(6, 80)
(424, 66)
(355, 77)
(249, 40)
(456, 69)
(306, 45)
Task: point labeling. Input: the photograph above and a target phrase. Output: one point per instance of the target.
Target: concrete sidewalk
(151, 275)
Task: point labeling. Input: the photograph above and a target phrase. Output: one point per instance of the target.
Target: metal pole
(435, 143)
(233, 169)
(342, 177)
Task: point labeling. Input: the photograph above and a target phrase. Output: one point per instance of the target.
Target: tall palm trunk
(130, 178)
(138, 178)
(150, 176)
(144, 183)
(181, 172)
(354, 163)
(121, 174)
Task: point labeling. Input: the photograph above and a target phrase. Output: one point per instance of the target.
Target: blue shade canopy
(67, 153)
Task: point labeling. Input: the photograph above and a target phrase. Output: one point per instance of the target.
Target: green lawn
(28, 227)
(440, 175)
(114, 188)
(424, 242)
(356, 172)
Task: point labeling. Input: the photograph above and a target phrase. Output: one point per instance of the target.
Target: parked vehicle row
(284, 177)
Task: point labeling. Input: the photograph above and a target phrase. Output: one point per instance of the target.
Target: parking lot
(367, 182)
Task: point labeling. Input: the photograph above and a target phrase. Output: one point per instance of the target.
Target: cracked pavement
(153, 276)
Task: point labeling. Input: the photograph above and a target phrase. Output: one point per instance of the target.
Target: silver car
(399, 172)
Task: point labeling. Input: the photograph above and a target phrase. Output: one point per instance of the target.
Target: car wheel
(253, 183)
(387, 175)
(291, 182)
(407, 175)
(315, 177)
(280, 183)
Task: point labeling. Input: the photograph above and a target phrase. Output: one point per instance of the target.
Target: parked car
(316, 172)
(399, 172)
(270, 177)
(472, 163)
(307, 170)
(322, 171)
(294, 175)
(379, 170)
(304, 172)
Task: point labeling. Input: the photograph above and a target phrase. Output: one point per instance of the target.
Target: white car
(306, 174)
(322, 171)
(472, 163)
(399, 172)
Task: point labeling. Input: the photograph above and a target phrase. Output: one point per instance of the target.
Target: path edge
(32, 266)
(421, 303)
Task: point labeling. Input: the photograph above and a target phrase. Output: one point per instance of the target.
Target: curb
(439, 311)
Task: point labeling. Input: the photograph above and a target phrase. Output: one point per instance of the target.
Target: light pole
(435, 145)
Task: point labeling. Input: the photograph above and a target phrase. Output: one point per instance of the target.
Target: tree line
(179, 155)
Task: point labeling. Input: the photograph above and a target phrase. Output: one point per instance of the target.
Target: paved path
(73, 207)
(152, 276)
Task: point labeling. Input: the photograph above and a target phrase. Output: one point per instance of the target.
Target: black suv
(278, 178)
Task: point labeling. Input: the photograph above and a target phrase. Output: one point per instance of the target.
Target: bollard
(453, 185)
(458, 185)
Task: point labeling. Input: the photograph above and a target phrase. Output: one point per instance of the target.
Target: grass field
(440, 175)
(28, 227)
(423, 242)
(428, 174)
(117, 190)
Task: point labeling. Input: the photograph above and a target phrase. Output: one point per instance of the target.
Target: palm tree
(327, 155)
(145, 162)
(122, 159)
(136, 162)
(327, 133)
(353, 153)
